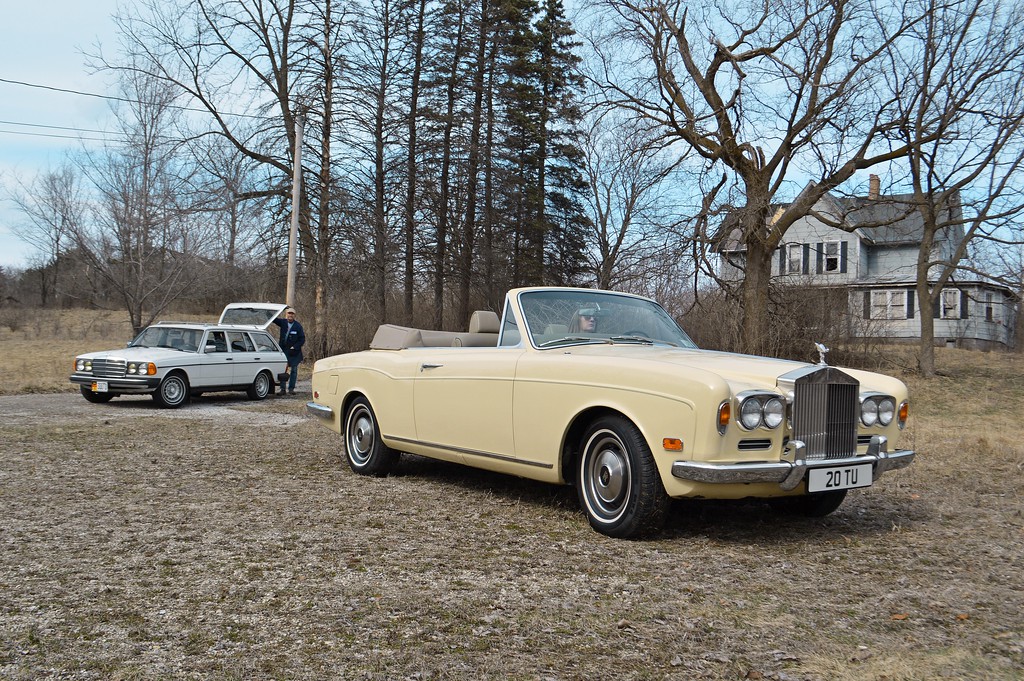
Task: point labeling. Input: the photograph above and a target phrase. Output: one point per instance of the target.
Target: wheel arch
(574, 435)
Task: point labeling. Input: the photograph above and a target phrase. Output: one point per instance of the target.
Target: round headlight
(869, 412)
(750, 413)
(886, 410)
(80, 365)
(131, 368)
(774, 412)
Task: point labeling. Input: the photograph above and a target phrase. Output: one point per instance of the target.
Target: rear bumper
(789, 474)
(122, 385)
(320, 411)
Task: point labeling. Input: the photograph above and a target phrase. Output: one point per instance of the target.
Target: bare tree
(633, 199)
(142, 235)
(961, 75)
(780, 95)
(53, 206)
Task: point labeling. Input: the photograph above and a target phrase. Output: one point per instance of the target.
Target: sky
(42, 43)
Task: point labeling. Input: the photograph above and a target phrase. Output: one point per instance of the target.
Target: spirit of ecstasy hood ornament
(822, 351)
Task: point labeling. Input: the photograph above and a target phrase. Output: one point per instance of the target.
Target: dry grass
(228, 541)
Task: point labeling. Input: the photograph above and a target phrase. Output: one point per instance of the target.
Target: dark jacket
(291, 342)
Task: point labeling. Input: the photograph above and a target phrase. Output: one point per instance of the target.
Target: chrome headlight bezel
(758, 409)
(877, 410)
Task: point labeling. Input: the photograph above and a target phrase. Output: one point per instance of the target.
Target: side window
(264, 342)
(216, 342)
(888, 305)
(510, 335)
(831, 256)
(950, 304)
(239, 342)
(795, 258)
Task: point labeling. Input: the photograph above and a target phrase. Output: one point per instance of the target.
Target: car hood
(740, 371)
(252, 315)
(146, 354)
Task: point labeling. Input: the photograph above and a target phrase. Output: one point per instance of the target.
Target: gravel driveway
(226, 540)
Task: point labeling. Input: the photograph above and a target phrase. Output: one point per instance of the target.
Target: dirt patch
(227, 540)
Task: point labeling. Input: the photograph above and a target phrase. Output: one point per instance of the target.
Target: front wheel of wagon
(366, 452)
(617, 480)
(172, 392)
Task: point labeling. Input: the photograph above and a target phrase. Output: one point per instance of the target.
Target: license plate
(843, 477)
(100, 387)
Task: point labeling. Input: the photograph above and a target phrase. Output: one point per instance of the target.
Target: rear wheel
(618, 482)
(366, 453)
(173, 391)
(95, 398)
(260, 387)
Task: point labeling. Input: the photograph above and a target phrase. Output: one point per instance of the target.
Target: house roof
(890, 220)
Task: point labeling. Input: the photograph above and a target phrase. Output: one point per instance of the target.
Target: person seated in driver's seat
(584, 320)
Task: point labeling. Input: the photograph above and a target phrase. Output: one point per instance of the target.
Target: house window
(831, 256)
(888, 304)
(989, 310)
(795, 258)
(949, 304)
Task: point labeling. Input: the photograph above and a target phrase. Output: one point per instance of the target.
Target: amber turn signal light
(672, 444)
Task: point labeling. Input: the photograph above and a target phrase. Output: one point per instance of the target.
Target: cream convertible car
(603, 391)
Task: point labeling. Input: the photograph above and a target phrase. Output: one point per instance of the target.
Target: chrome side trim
(468, 452)
(319, 410)
(789, 474)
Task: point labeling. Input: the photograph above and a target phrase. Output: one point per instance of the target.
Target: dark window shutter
(963, 304)
(807, 258)
(842, 257)
(937, 307)
(910, 303)
(819, 249)
(782, 259)
(867, 305)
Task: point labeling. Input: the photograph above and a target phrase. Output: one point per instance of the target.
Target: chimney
(874, 185)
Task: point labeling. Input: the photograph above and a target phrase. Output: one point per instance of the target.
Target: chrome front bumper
(319, 410)
(789, 474)
(119, 385)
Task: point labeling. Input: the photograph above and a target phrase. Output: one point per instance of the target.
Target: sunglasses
(588, 317)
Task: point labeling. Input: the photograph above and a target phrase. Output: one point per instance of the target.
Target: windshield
(562, 317)
(173, 337)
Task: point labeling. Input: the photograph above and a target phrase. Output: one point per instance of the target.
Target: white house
(873, 255)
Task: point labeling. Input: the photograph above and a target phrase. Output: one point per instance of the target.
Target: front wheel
(366, 452)
(618, 482)
(173, 391)
(95, 398)
(260, 387)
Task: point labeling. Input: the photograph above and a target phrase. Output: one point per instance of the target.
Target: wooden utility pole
(289, 297)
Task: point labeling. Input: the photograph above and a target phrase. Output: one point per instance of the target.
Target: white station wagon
(173, 361)
(604, 391)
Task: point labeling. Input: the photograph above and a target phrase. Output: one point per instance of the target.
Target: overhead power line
(115, 98)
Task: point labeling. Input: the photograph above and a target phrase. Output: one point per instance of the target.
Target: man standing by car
(293, 337)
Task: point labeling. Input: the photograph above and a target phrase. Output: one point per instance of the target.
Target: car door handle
(430, 366)
(229, 359)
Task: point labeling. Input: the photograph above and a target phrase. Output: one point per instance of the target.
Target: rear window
(247, 316)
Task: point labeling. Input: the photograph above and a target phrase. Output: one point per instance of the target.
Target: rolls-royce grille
(109, 368)
(825, 412)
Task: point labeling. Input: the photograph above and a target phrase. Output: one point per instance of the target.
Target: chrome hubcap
(606, 476)
(360, 436)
